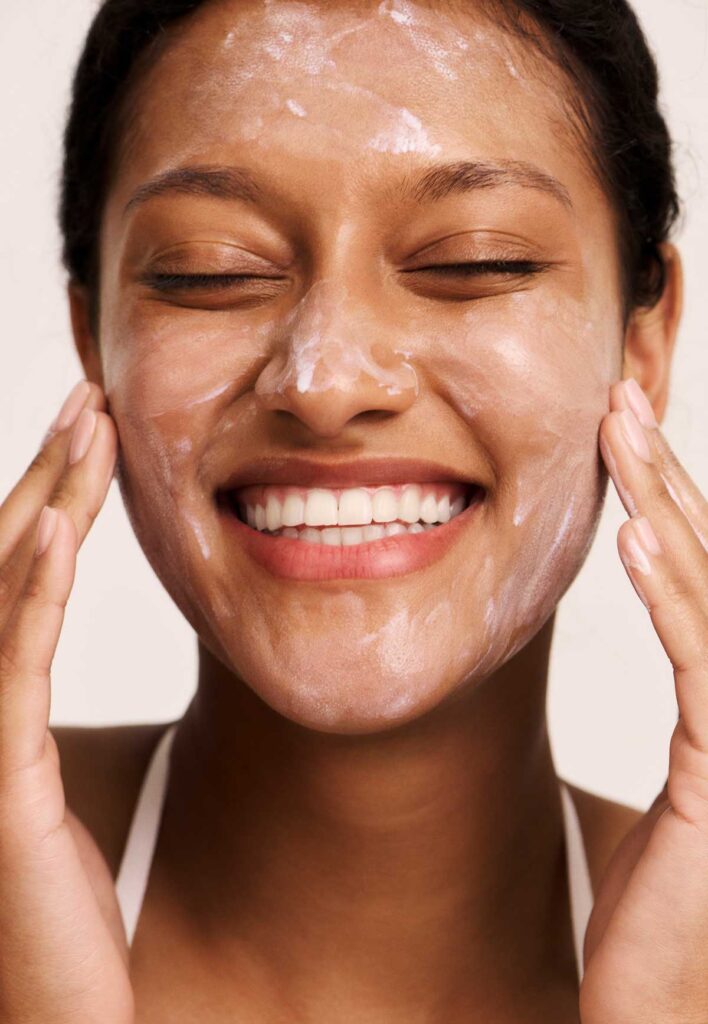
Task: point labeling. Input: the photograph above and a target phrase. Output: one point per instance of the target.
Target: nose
(334, 361)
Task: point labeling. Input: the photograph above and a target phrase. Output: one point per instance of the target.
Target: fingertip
(96, 398)
(625, 535)
(635, 559)
(54, 523)
(618, 397)
(46, 529)
(64, 533)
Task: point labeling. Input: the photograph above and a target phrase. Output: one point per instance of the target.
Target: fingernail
(83, 435)
(639, 403)
(635, 435)
(635, 561)
(71, 408)
(646, 536)
(46, 530)
(612, 467)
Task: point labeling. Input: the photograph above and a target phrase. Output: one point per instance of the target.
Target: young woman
(369, 296)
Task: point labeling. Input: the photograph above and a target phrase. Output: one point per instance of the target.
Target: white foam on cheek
(165, 369)
(330, 347)
(534, 381)
(295, 108)
(402, 14)
(198, 531)
(176, 523)
(167, 386)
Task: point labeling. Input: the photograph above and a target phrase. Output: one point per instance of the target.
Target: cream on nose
(332, 364)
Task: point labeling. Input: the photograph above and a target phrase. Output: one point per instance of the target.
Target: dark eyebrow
(221, 182)
(466, 175)
(237, 183)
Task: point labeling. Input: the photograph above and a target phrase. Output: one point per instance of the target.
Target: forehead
(346, 85)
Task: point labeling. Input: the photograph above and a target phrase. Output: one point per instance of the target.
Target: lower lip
(378, 559)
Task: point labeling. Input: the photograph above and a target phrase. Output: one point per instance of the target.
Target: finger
(80, 491)
(29, 640)
(631, 463)
(679, 615)
(20, 510)
(628, 394)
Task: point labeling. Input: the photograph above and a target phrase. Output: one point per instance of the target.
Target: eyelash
(186, 282)
(518, 268)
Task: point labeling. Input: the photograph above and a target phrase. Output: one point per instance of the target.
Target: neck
(406, 861)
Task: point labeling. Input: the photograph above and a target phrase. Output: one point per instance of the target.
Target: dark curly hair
(598, 44)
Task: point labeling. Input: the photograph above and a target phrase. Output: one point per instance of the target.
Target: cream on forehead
(275, 42)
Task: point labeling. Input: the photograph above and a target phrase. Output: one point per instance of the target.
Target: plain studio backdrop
(126, 654)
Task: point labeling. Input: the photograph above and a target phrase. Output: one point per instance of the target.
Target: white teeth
(311, 535)
(293, 510)
(348, 536)
(374, 532)
(409, 505)
(457, 506)
(384, 506)
(272, 511)
(321, 508)
(354, 507)
(429, 509)
(380, 512)
(392, 529)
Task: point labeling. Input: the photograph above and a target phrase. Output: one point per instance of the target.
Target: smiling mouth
(347, 517)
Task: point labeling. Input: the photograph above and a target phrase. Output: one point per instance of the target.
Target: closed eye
(480, 268)
(185, 282)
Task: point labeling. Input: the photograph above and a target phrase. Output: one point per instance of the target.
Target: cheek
(165, 382)
(158, 367)
(164, 376)
(533, 381)
(534, 386)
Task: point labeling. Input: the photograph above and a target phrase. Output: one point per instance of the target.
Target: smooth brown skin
(370, 874)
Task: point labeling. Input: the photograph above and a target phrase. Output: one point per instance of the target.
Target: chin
(342, 688)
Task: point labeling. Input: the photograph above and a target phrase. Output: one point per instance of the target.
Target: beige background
(126, 654)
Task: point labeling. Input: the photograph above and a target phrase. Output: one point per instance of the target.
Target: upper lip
(301, 472)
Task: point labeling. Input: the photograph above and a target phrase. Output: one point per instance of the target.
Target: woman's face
(352, 151)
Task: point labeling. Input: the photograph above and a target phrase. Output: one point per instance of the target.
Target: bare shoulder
(604, 824)
(102, 770)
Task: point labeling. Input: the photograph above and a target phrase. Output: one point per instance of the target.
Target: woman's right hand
(63, 959)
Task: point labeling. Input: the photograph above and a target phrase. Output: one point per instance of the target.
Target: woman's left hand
(646, 949)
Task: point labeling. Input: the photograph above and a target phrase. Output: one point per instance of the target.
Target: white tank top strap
(579, 881)
(134, 871)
